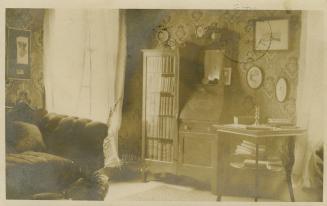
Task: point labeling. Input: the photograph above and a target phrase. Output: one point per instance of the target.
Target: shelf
(165, 94)
(261, 167)
(166, 115)
(279, 170)
(168, 74)
(162, 115)
(160, 139)
(262, 157)
(159, 161)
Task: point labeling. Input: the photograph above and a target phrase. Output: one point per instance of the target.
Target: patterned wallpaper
(182, 24)
(30, 19)
(235, 32)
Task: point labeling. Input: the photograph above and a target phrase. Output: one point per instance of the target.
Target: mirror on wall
(213, 66)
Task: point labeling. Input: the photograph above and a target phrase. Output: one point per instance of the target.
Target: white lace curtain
(84, 66)
(310, 96)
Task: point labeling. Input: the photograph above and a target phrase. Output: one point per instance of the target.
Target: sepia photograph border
(318, 5)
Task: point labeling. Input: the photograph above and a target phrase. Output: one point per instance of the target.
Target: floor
(136, 190)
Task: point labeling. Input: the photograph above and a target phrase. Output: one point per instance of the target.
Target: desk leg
(220, 167)
(289, 166)
(287, 156)
(256, 172)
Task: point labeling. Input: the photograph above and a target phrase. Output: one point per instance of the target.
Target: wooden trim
(176, 142)
(144, 107)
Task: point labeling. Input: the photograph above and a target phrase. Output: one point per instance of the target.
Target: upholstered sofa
(51, 156)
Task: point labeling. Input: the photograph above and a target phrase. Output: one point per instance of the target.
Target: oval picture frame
(254, 77)
(163, 35)
(281, 89)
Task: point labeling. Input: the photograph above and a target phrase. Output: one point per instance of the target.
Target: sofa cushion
(22, 136)
(49, 123)
(74, 138)
(31, 172)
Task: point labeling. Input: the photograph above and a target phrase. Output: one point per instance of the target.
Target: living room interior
(164, 105)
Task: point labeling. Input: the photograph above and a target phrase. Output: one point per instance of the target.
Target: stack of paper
(249, 148)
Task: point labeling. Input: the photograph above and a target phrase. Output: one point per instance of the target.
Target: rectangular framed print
(18, 53)
(271, 34)
(227, 74)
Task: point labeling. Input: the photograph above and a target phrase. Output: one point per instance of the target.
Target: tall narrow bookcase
(160, 110)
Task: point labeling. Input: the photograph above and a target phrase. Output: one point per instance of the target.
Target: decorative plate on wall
(254, 77)
(281, 89)
(200, 31)
(180, 33)
(163, 35)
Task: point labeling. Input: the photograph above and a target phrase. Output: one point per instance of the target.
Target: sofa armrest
(92, 187)
(80, 140)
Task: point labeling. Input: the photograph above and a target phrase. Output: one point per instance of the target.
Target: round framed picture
(254, 77)
(281, 89)
(163, 35)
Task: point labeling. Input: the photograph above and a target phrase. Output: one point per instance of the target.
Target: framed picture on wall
(271, 34)
(254, 77)
(281, 89)
(227, 76)
(18, 53)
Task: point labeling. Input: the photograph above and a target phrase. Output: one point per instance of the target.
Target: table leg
(256, 172)
(290, 187)
(287, 156)
(220, 167)
(144, 171)
(289, 166)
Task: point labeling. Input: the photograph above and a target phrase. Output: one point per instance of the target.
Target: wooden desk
(256, 135)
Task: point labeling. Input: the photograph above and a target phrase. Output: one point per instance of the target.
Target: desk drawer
(196, 126)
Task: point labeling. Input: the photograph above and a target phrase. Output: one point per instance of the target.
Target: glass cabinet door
(160, 101)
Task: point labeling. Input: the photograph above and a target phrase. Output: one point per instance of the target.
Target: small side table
(286, 135)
